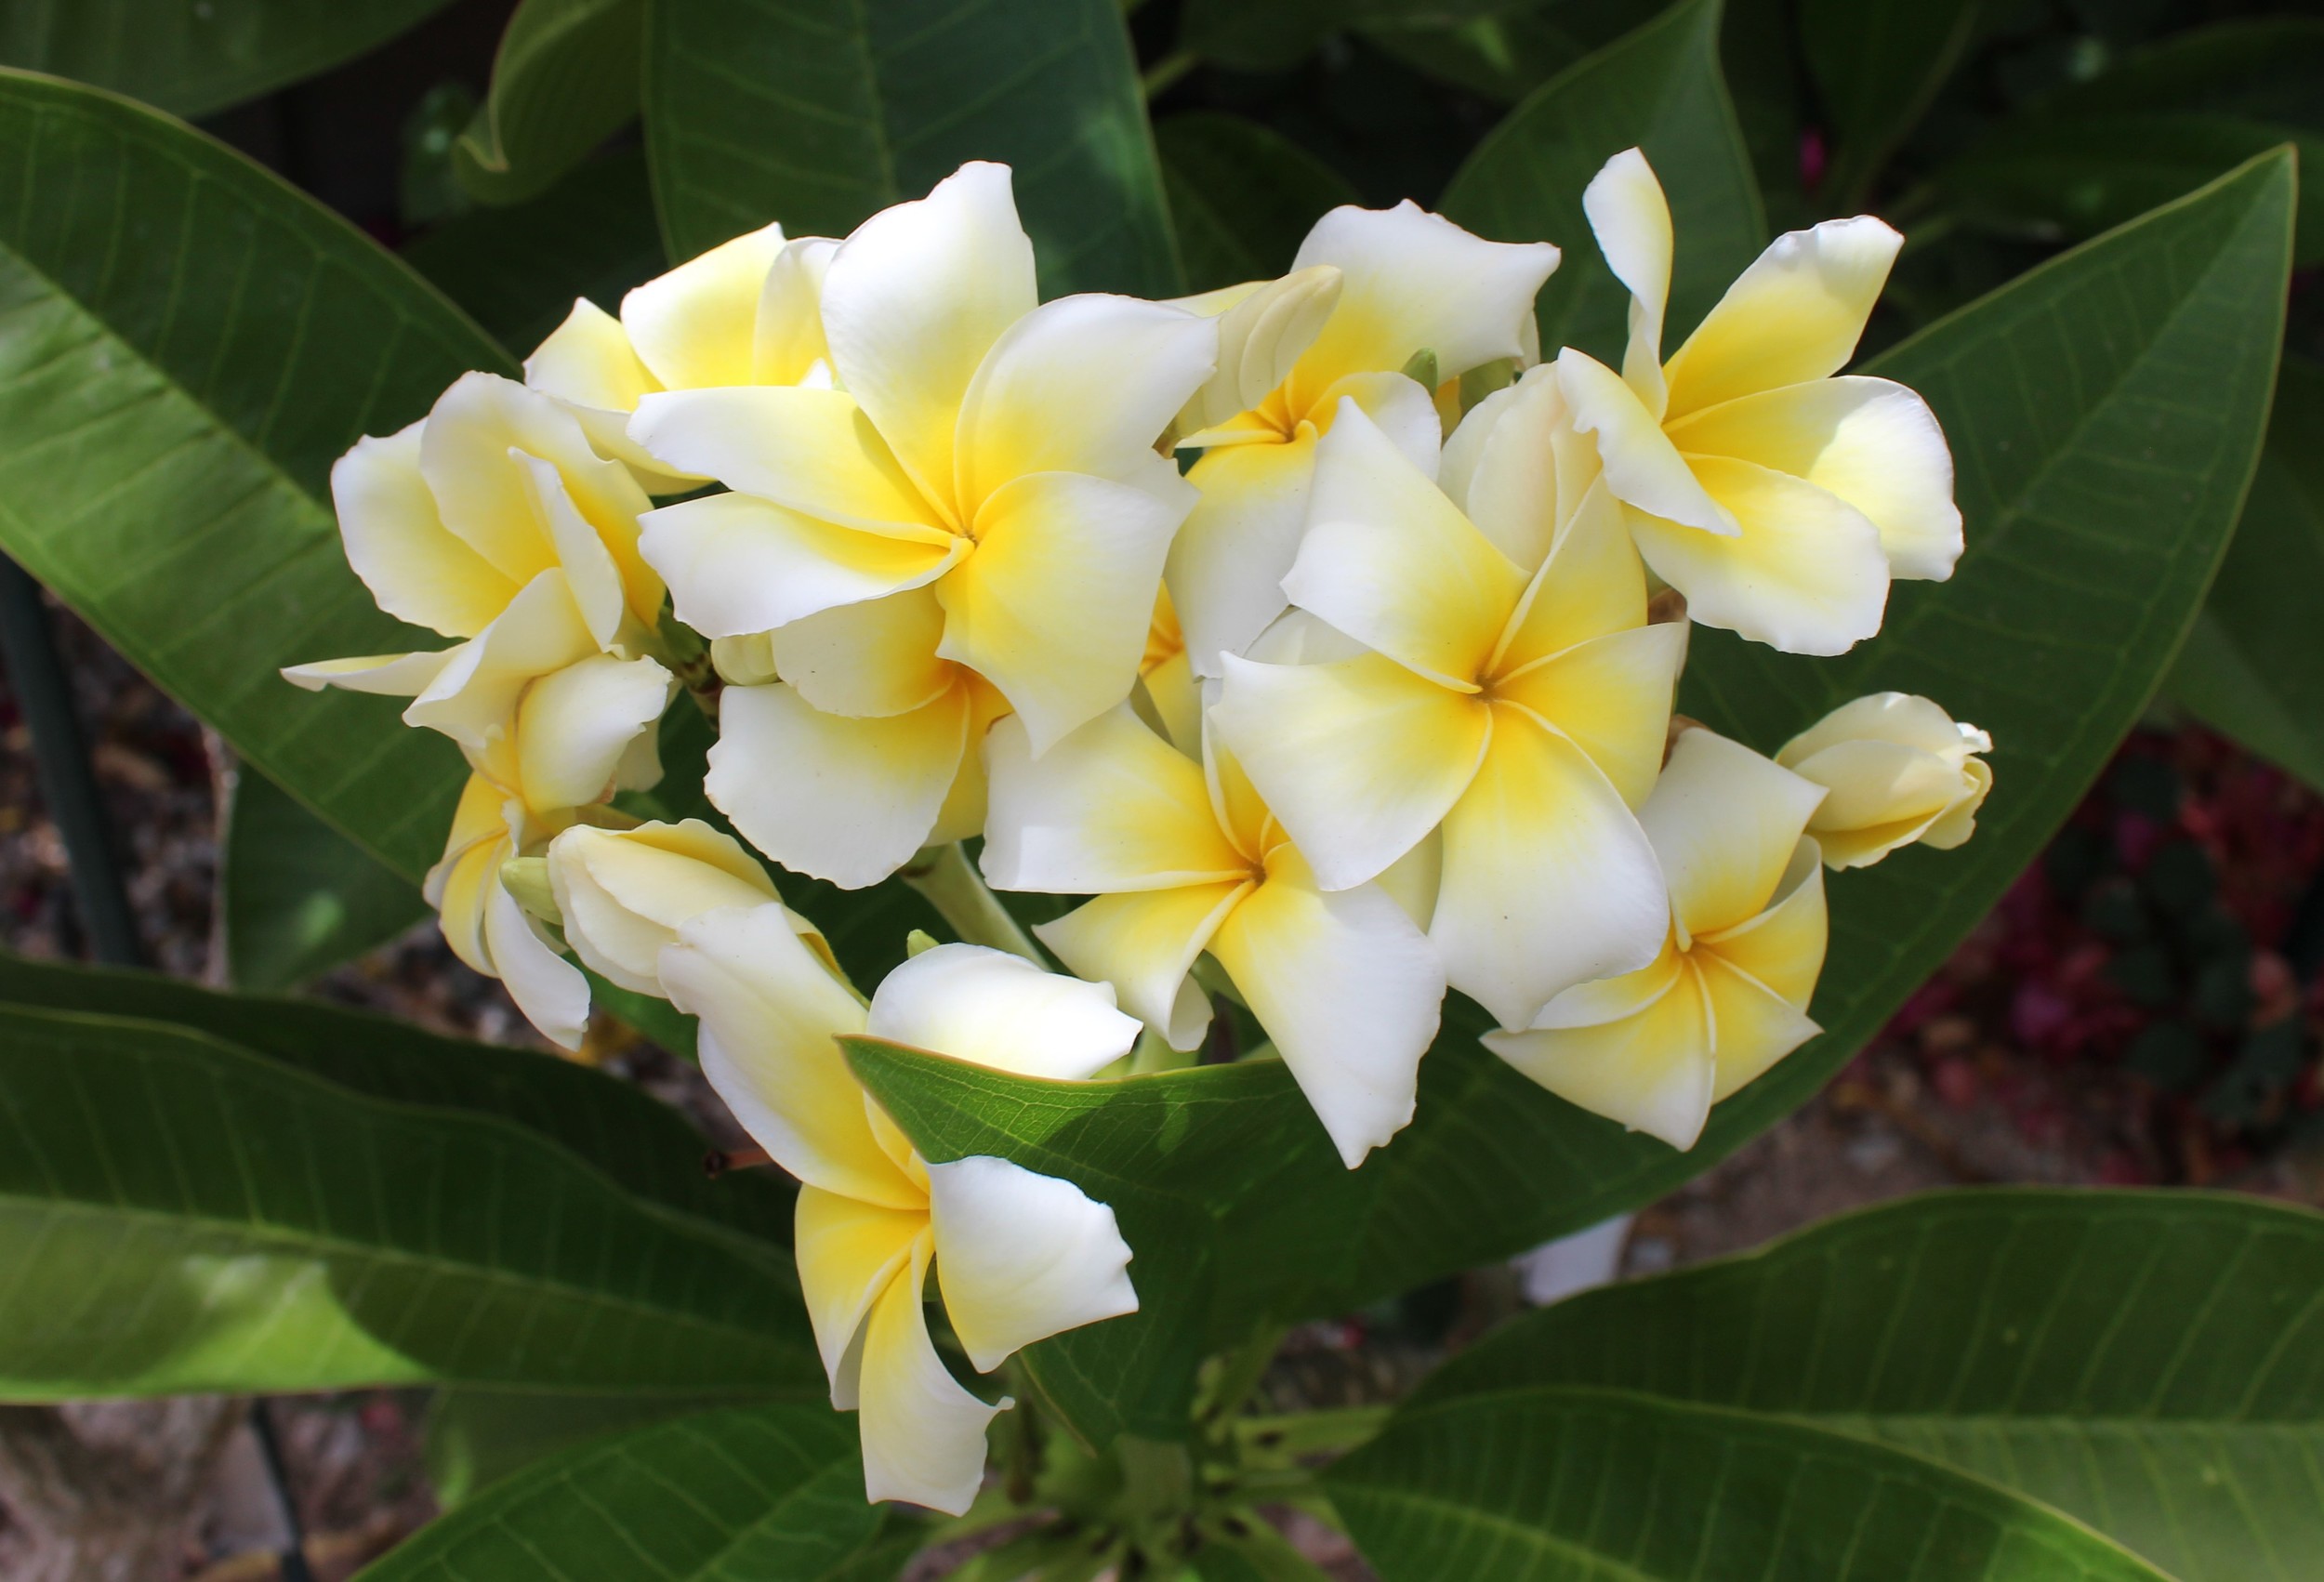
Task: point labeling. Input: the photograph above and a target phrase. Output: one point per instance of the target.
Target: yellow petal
(1144, 943)
(923, 1434)
(787, 344)
(1112, 807)
(458, 884)
(1085, 384)
(1724, 822)
(1591, 585)
(473, 697)
(1000, 1010)
(1631, 220)
(1805, 574)
(1752, 1027)
(1349, 991)
(1548, 879)
(1782, 947)
(1611, 697)
(1262, 330)
(1173, 697)
(1225, 567)
(1639, 463)
(1902, 717)
(1651, 1069)
(738, 566)
(1960, 821)
(847, 800)
(1873, 443)
(397, 543)
(587, 359)
(693, 326)
(849, 1252)
(573, 726)
(1795, 315)
(386, 675)
(869, 660)
(914, 300)
(1051, 607)
(623, 894)
(1021, 1257)
(813, 451)
(1390, 562)
(1358, 759)
(547, 989)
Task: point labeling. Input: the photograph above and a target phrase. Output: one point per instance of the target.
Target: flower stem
(952, 885)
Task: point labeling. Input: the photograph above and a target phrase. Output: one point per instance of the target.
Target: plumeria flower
(1779, 499)
(1017, 1256)
(1370, 290)
(1520, 703)
(1899, 770)
(1183, 857)
(1727, 997)
(747, 312)
(998, 455)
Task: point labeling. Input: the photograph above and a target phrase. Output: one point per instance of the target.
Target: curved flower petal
(1347, 988)
(388, 675)
(849, 1252)
(457, 884)
(1390, 561)
(1806, 575)
(1021, 1257)
(693, 326)
(923, 1434)
(772, 1014)
(1084, 384)
(1752, 1027)
(813, 451)
(869, 660)
(1592, 584)
(1225, 567)
(914, 300)
(1144, 944)
(847, 800)
(1518, 468)
(1112, 807)
(1631, 220)
(549, 990)
(1403, 408)
(1412, 281)
(575, 725)
(738, 566)
(397, 543)
(1548, 879)
(789, 343)
(623, 894)
(1871, 441)
(1052, 605)
(474, 696)
(1795, 315)
(1651, 1069)
(1640, 464)
(1000, 1010)
(1263, 327)
(1782, 947)
(1724, 822)
(1358, 759)
(963, 813)
(1611, 697)
(589, 361)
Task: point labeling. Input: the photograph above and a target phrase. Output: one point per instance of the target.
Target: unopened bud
(526, 880)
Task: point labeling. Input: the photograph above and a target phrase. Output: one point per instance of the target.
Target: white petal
(869, 660)
(1724, 822)
(923, 1434)
(623, 894)
(849, 1252)
(388, 675)
(1521, 469)
(589, 361)
(1144, 943)
(1021, 1257)
(575, 725)
(847, 800)
(693, 326)
(397, 542)
(789, 345)
(588, 565)
(1225, 567)
(1652, 1070)
(1000, 1010)
(738, 566)
(1641, 465)
(1263, 327)
(1347, 988)
(473, 698)
(547, 988)
(813, 451)
(1631, 220)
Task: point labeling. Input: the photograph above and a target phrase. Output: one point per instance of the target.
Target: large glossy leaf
(766, 1492)
(185, 346)
(1501, 57)
(815, 115)
(1551, 1484)
(295, 897)
(477, 1437)
(2098, 499)
(564, 78)
(1658, 89)
(2253, 666)
(1875, 68)
(2143, 1360)
(181, 1214)
(1243, 196)
(643, 1145)
(194, 59)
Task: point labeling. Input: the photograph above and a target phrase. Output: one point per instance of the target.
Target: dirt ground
(2143, 1008)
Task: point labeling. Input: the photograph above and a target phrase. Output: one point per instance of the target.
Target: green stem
(1159, 76)
(952, 885)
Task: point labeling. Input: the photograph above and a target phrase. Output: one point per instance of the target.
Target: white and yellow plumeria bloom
(1018, 1256)
(1523, 708)
(1369, 289)
(1183, 857)
(1779, 499)
(747, 312)
(1727, 995)
(1899, 770)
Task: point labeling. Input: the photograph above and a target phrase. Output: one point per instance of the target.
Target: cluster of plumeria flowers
(1372, 699)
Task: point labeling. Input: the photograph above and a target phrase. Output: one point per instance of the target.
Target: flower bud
(624, 895)
(1898, 768)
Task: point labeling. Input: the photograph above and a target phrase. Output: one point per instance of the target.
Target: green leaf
(565, 78)
(2268, 68)
(191, 345)
(643, 1145)
(477, 1437)
(2142, 1361)
(1502, 57)
(1243, 195)
(1251, 1551)
(2253, 666)
(1552, 1484)
(1255, 38)
(791, 110)
(772, 1492)
(1658, 89)
(178, 1215)
(194, 59)
(295, 897)
(517, 269)
(1876, 69)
